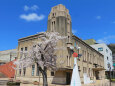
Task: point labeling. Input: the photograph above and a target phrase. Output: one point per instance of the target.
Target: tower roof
(59, 7)
(59, 10)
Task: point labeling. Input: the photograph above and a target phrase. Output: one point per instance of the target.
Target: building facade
(114, 62)
(104, 49)
(7, 56)
(112, 47)
(90, 63)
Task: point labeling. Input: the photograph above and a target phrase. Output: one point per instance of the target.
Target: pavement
(113, 84)
(3, 82)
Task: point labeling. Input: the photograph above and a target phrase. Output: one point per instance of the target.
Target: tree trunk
(44, 74)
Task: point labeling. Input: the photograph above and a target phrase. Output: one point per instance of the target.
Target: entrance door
(97, 74)
(68, 78)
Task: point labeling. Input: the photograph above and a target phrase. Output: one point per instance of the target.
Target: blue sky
(90, 19)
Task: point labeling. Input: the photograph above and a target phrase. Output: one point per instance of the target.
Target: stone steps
(3, 82)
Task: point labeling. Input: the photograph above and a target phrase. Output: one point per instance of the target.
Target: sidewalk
(4, 79)
(113, 84)
(97, 83)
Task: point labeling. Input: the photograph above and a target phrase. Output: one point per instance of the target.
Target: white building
(103, 48)
(7, 56)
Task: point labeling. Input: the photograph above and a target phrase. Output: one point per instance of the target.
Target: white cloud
(98, 17)
(26, 8)
(74, 31)
(106, 39)
(32, 8)
(32, 17)
(102, 41)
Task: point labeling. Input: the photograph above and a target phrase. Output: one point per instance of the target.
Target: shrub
(13, 83)
(113, 80)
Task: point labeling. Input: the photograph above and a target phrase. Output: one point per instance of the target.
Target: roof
(29, 37)
(37, 35)
(98, 69)
(90, 41)
(8, 50)
(80, 40)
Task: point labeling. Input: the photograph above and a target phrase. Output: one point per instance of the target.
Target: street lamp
(78, 48)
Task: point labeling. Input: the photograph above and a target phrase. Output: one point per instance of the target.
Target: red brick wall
(8, 70)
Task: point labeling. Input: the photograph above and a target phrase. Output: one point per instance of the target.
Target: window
(53, 14)
(68, 61)
(15, 57)
(83, 55)
(79, 69)
(84, 70)
(33, 69)
(106, 50)
(100, 49)
(20, 72)
(24, 71)
(93, 60)
(37, 73)
(89, 72)
(52, 73)
(68, 38)
(107, 58)
(52, 26)
(21, 49)
(108, 65)
(110, 54)
(26, 48)
(75, 44)
(88, 57)
(113, 57)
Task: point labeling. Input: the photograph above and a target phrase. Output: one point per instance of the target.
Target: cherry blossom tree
(42, 53)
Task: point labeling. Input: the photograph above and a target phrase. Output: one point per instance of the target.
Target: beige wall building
(91, 61)
(7, 56)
